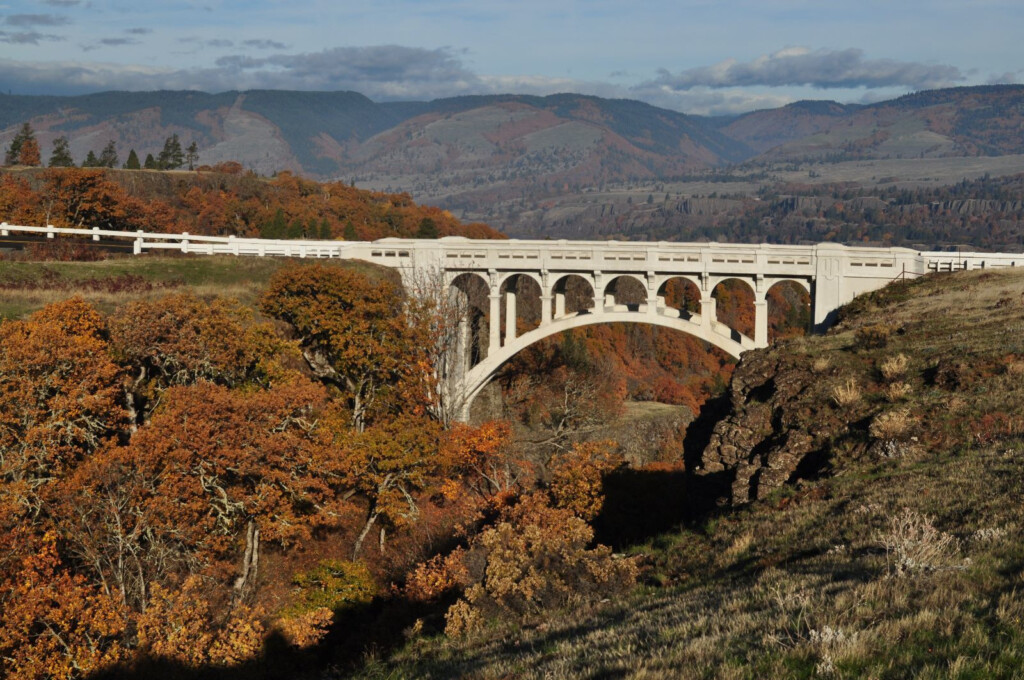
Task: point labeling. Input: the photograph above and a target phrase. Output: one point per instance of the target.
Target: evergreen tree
(192, 155)
(61, 155)
(350, 231)
(171, 157)
(150, 162)
(13, 155)
(295, 229)
(90, 160)
(428, 229)
(276, 227)
(133, 161)
(325, 230)
(108, 156)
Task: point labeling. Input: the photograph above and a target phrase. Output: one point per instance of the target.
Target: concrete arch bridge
(581, 283)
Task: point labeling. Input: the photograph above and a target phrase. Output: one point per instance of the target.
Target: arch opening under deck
(480, 375)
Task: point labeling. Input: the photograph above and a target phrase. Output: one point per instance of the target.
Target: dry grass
(848, 394)
(897, 391)
(894, 425)
(894, 367)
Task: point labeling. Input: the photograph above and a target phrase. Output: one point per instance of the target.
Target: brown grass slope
(897, 553)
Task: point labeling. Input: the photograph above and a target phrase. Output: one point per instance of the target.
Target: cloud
(118, 42)
(27, 37)
(264, 44)
(213, 42)
(822, 69)
(138, 31)
(62, 3)
(29, 20)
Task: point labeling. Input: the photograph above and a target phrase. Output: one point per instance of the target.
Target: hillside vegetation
(891, 548)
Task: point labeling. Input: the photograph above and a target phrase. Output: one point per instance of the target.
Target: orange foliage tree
(351, 329)
(59, 397)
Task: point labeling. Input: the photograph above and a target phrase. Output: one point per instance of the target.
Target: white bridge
(580, 283)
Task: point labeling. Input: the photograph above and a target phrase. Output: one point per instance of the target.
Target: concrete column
(494, 338)
(761, 323)
(827, 293)
(559, 305)
(652, 293)
(545, 309)
(461, 358)
(510, 317)
(708, 315)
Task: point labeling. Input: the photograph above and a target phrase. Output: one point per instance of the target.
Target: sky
(708, 57)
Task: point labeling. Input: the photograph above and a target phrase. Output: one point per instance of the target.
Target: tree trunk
(370, 519)
(251, 559)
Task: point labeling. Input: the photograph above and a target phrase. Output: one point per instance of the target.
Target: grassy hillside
(898, 553)
(27, 286)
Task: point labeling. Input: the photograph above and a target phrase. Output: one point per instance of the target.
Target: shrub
(821, 364)
(892, 425)
(847, 394)
(894, 367)
(536, 558)
(897, 391)
(332, 585)
(872, 337)
(913, 545)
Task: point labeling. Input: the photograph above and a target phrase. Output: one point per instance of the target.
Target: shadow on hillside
(641, 504)
(358, 633)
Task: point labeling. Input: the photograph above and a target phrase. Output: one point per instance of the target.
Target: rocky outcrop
(777, 427)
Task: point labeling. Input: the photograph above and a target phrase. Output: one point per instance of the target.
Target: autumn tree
(17, 153)
(61, 155)
(182, 339)
(351, 330)
(54, 624)
(388, 464)
(214, 469)
(59, 397)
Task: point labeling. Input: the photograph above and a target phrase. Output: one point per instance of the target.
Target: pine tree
(133, 161)
(192, 155)
(325, 230)
(350, 231)
(90, 160)
(150, 162)
(13, 155)
(61, 155)
(171, 157)
(108, 157)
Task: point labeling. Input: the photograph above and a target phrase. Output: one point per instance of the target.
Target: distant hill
(964, 121)
(514, 159)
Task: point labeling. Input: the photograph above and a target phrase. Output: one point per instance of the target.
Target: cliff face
(776, 426)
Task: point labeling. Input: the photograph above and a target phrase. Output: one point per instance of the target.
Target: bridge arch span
(715, 334)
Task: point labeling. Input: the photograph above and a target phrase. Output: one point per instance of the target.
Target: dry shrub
(183, 626)
(897, 391)
(913, 545)
(820, 365)
(305, 629)
(577, 478)
(892, 425)
(536, 558)
(1015, 368)
(847, 394)
(872, 337)
(437, 576)
(894, 367)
